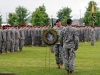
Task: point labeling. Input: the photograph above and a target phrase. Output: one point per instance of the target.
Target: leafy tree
(63, 14)
(12, 19)
(88, 14)
(22, 14)
(97, 23)
(0, 20)
(40, 17)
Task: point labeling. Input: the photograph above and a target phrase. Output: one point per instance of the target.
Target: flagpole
(93, 11)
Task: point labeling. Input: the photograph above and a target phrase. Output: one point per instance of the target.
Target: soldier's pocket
(73, 52)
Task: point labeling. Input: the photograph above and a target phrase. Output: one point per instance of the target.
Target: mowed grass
(31, 61)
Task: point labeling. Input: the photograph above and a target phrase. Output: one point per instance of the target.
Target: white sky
(52, 6)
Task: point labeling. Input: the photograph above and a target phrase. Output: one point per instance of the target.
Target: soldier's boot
(71, 72)
(3, 53)
(68, 72)
(11, 51)
(20, 50)
(7, 51)
(15, 50)
(58, 66)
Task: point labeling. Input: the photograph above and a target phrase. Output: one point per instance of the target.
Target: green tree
(63, 14)
(0, 20)
(12, 18)
(97, 23)
(88, 14)
(40, 17)
(22, 14)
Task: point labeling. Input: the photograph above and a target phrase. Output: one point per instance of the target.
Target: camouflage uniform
(33, 36)
(29, 37)
(52, 48)
(8, 34)
(12, 39)
(4, 41)
(43, 44)
(17, 37)
(95, 29)
(58, 49)
(92, 34)
(86, 34)
(82, 34)
(69, 39)
(39, 36)
(26, 36)
(36, 36)
(22, 38)
(1, 40)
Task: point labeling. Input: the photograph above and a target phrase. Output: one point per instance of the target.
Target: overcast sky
(52, 6)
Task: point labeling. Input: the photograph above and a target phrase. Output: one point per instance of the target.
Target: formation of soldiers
(11, 38)
(85, 33)
(14, 38)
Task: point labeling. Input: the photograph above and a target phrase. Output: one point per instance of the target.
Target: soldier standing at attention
(57, 47)
(8, 39)
(92, 35)
(22, 38)
(69, 40)
(4, 40)
(12, 39)
(0, 40)
(17, 37)
(26, 36)
(33, 36)
(29, 36)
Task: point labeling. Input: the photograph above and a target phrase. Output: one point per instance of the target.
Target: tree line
(40, 17)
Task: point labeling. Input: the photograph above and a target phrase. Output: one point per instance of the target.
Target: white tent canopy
(5, 24)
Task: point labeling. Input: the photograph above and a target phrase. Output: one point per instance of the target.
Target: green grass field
(31, 61)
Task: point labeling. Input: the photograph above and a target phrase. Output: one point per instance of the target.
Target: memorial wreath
(50, 36)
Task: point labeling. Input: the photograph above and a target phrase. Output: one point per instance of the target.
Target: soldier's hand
(76, 49)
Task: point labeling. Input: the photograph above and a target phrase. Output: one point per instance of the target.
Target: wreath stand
(49, 42)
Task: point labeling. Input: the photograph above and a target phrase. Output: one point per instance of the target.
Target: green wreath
(50, 36)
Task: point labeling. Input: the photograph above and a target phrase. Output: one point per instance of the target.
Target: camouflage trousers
(21, 44)
(26, 40)
(58, 54)
(86, 38)
(33, 41)
(16, 45)
(0, 46)
(52, 48)
(8, 44)
(12, 45)
(69, 56)
(4, 46)
(29, 41)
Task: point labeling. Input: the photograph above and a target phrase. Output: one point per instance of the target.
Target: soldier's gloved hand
(76, 48)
